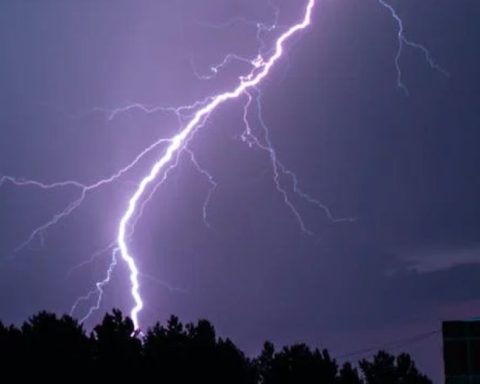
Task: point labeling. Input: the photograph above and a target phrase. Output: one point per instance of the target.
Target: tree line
(47, 347)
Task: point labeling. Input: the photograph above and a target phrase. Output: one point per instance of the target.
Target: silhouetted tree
(388, 369)
(52, 342)
(299, 365)
(349, 375)
(166, 350)
(264, 363)
(117, 349)
(52, 348)
(233, 365)
(193, 354)
(12, 347)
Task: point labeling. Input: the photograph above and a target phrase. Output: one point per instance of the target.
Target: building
(461, 351)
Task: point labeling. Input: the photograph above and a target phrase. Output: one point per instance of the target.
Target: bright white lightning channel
(192, 117)
(259, 72)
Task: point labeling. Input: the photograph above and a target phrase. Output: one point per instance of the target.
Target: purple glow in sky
(335, 164)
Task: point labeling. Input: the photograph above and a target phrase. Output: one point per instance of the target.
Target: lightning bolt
(191, 118)
(262, 29)
(402, 41)
(178, 143)
(211, 181)
(279, 169)
(84, 189)
(98, 291)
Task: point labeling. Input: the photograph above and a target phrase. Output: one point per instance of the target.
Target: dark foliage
(48, 347)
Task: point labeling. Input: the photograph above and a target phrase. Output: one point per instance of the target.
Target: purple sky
(405, 167)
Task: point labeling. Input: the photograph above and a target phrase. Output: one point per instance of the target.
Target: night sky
(405, 167)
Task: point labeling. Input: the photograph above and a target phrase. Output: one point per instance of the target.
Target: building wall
(461, 351)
